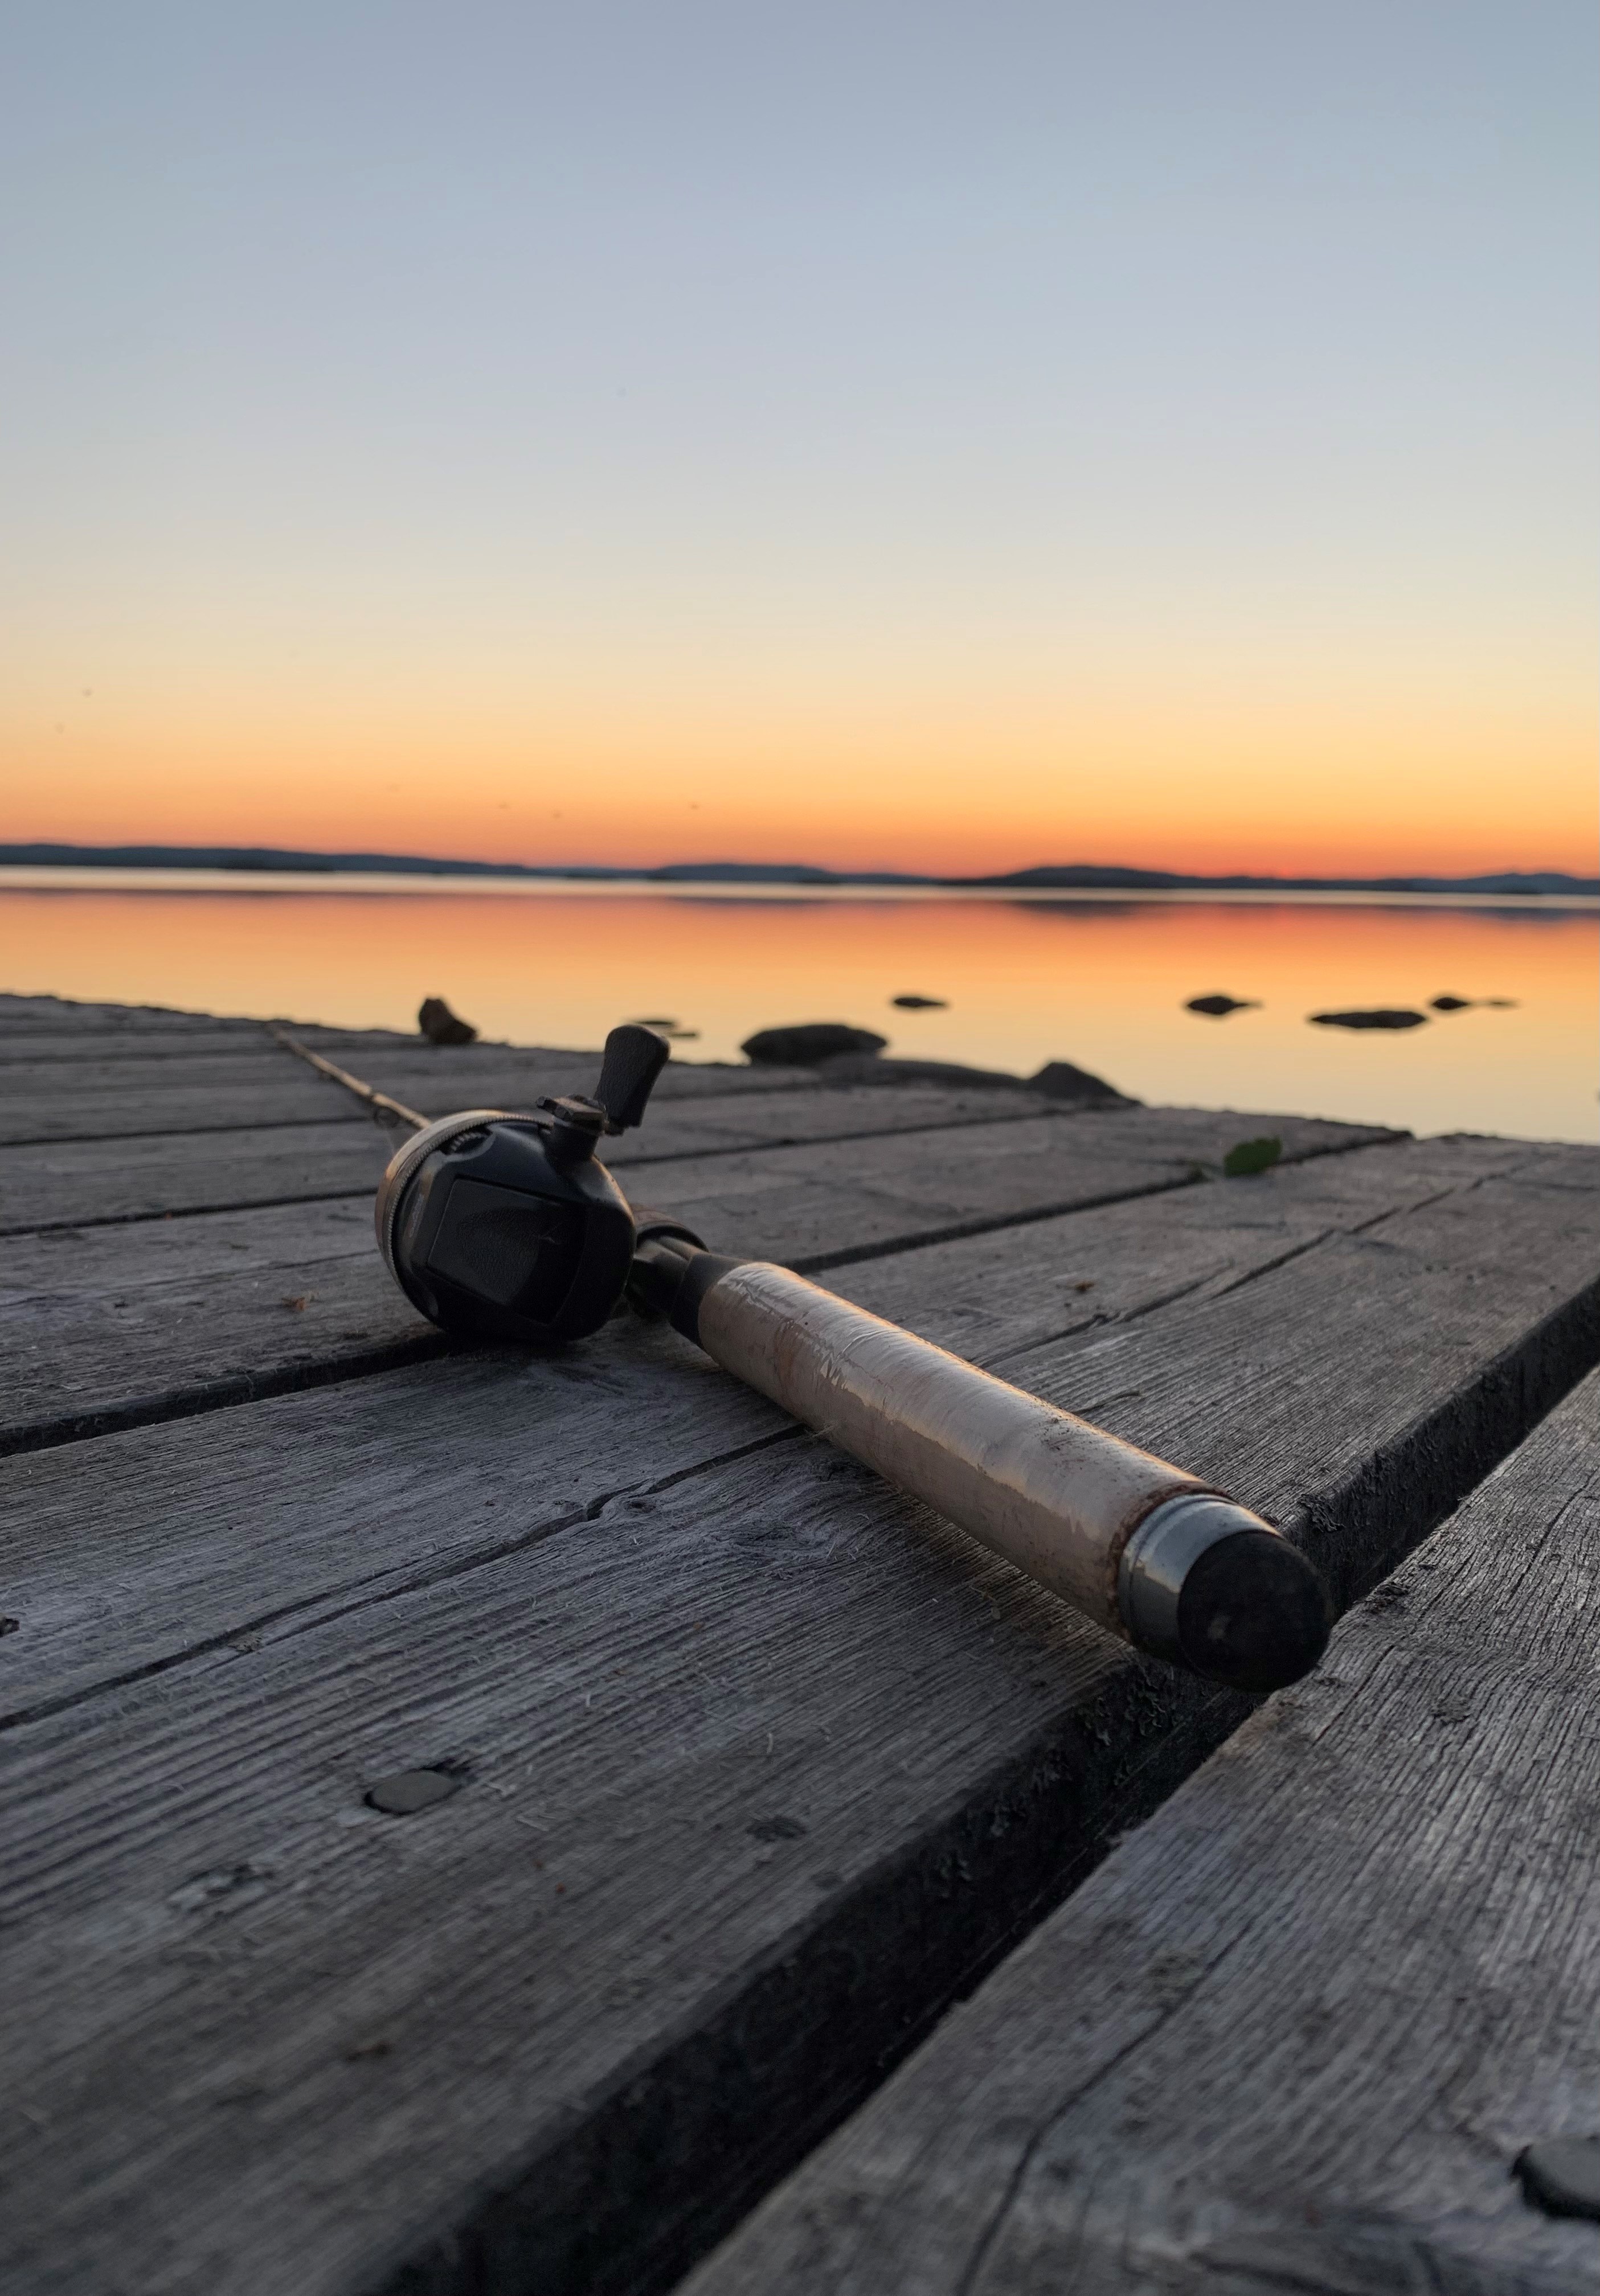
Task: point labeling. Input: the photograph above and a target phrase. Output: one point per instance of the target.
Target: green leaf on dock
(1250, 1156)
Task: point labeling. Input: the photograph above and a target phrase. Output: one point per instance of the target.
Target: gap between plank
(239, 1388)
(816, 1262)
(682, 2102)
(1459, 1443)
(671, 1156)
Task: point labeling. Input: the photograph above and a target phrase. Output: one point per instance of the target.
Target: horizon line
(1109, 876)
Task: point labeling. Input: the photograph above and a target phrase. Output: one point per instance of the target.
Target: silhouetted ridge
(1075, 876)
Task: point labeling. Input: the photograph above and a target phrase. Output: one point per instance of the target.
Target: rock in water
(675, 1030)
(809, 1043)
(1220, 1006)
(1381, 1018)
(1451, 1004)
(922, 1004)
(440, 1026)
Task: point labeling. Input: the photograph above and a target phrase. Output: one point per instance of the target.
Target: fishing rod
(378, 1104)
(502, 1225)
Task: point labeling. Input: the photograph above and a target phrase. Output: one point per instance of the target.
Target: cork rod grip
(1140, 1546)
(1054, 1495)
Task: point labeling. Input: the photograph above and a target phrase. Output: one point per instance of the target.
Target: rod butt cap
(1205, 1583)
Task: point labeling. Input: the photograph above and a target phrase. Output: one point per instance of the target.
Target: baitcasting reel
(505, 1227)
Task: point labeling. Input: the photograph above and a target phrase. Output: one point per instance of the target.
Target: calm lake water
(1103, 982)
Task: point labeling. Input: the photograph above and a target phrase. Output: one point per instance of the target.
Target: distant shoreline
(772, 877)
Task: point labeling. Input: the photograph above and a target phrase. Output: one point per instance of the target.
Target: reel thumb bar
(1137, 1545)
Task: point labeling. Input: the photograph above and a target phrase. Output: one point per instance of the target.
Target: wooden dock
(748, 1771)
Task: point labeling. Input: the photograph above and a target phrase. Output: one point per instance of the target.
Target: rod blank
(379, 1105)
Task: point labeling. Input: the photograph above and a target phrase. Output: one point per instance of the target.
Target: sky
(922, 436)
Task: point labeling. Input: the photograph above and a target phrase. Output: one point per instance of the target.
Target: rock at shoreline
(1220, 1006)
(846, 1055)
(922, 1004)
(1061, 1080)
(809, 1043)
(1382, 1018)
(866, 1068)
(440, 1026)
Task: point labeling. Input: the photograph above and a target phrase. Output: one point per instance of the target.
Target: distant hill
(1076, 876)
(272, 857)
(1088, 876)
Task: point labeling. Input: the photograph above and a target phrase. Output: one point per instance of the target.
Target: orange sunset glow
(1165, 442)
(1289, 779)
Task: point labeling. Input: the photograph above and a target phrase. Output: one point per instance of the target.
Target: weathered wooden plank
(1297, 2028)
(451, 1076)
(1402, 1277)
(20, 1015)
(215, 1093)
(36, 1024)
(80, 1182)
(1177, 1314)
(999, 1294)
(212, 1092)
(746, 1803)
(120, 1326)
(68, 1049)
(267, 1302)
(860, 1198)
(72, 1183)
(111, 1327)
(39, 1045)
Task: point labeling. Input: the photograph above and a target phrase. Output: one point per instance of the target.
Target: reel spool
(504, 1227)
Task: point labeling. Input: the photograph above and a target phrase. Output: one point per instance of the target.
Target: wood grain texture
(106, 1327)
(81, 1182)
(1294, 2033)
(118, 1326)
(74, 1049)
(21, 1016)
(38, 1043)
(854, 1200)
(232, 1332)
(214, 1092)
(131, 1094)
(41, 1040)
(763, 1766)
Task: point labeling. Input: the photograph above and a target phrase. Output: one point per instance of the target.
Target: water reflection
(1102, 983)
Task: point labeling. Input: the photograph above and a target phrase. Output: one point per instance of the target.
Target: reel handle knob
(634, 1058)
